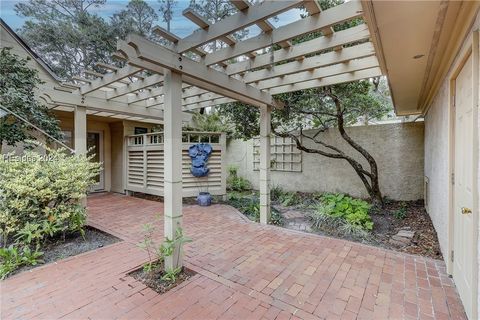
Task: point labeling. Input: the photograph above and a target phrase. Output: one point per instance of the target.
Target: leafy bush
(250, 206)
(285, 198)
(341, 213)
(236, 183)
(40, 199)
(354, 211)
(322, 219)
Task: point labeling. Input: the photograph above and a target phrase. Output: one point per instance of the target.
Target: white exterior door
(463, 214)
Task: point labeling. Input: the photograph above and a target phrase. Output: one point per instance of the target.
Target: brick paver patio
(244, 271)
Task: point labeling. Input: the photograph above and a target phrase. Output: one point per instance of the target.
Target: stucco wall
(397, 148)
(436, 164)
(437, 159)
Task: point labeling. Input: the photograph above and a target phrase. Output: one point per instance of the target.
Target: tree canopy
(17, 86)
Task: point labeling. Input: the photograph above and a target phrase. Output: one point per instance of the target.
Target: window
(140, 130)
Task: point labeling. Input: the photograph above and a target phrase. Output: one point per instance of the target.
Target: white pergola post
(173, 162)
(80, 130)
(80, 136)
(265, 129)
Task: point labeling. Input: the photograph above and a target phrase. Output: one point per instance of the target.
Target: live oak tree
(329, 108)
(71, 37)
(67, 34)
(17, 85)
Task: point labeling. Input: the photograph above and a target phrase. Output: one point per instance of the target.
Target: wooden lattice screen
(145, 164)
(284, 155)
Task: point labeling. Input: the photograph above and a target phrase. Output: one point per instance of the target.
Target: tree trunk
(373, 188)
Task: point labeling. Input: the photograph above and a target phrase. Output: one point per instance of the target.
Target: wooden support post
(265, 129)
(80, 136)
(80, 124)
(173, 162)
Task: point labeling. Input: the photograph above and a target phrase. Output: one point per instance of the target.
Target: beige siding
(397, 148)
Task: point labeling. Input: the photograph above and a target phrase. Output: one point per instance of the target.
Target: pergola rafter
(147, 91)
(251, 71)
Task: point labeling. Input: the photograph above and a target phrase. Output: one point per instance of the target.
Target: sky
(180, 25)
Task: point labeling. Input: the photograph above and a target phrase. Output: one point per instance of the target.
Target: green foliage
(40, 199)
(18, 84)
(138, 17)
(401, 213)
(235, 182)
(354, 211)
(158, 253)
(342, 214)
(209, 122)
(171, 275)
(285, 198)
(250, 207)
(68, 34)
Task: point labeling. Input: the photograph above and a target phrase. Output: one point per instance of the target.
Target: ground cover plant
(153, 272)
(249, 205)
(235, 182)
(40, 202)
(343, 216)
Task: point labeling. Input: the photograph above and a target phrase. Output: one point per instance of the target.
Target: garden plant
(40, 201)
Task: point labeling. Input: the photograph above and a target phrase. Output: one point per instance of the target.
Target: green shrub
(401, 213)
(236, 183)
(353, 211)
(40, 199)
(250, 206)
(290, 199)
(285, 198)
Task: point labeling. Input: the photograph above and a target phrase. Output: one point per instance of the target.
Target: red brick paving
(245, 271)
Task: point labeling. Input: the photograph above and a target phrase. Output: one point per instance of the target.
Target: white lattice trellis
(284, 155)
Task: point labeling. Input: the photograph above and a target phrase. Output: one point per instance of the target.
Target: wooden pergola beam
(135, 86)
(110, 78)
(311, 63)
(313, 7)
(358, 33)
(235, 22)
(318, 66)
(324, 72)
(337, 14)
(264, 25)
(151, 56)
(98, 103)
(315, 83)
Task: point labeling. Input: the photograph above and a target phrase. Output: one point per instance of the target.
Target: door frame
(101, 185)
(471, 48)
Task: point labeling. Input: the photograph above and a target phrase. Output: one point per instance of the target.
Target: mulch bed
(154, 279)
(386, 224)
(425, 241)
(72, 245)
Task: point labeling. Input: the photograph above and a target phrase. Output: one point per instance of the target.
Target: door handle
(466, 210)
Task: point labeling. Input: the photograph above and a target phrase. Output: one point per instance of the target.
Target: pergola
(162, 81)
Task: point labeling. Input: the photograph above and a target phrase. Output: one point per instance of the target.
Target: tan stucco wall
(66, 124)
(437, 158)
(436, 164)
(397, 148)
